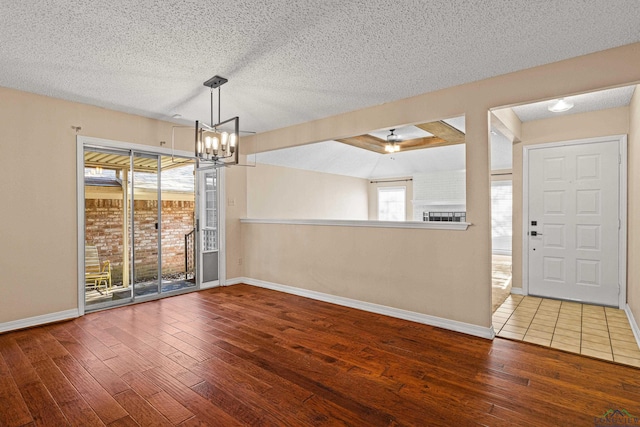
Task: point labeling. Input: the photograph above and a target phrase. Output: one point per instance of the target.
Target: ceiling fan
(392, 139)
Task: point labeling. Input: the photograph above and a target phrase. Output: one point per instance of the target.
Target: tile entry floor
(600, 332)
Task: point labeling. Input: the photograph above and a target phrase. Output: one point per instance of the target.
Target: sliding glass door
(139, 226)
(177, 210)
(107, 254)
(144, 214)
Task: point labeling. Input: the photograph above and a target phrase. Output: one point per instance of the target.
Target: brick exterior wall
(103, 228)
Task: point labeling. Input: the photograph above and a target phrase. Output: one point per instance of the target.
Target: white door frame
(222, 258)
(81, 142)
(622, 230)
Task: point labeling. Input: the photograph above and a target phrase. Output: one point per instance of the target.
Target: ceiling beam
(420, 143)
(444, 131)
(367, 142)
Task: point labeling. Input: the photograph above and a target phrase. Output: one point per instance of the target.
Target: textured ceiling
(288, 61)
(583, 103)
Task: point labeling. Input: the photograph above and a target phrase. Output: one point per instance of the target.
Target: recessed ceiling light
(560, 105)
(176, 116)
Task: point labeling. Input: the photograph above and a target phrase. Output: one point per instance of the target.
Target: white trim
(622, 200)
(453, 325)
(633, 323)
(222, 227)
(622, 231)
(362, 223)
(235, 281)
(517, 291)
(39, 320)
(80, 202)
(212, 284)
(121, 145)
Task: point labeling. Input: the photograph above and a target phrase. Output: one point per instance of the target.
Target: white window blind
(391, 203)
(501, 216)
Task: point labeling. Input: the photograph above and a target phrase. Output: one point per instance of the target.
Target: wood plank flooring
(242, 355)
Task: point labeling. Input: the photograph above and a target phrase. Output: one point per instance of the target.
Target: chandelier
(392, 139)
(217, 144)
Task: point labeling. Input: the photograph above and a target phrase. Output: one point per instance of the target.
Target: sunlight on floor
(591, 330)
(500, 280)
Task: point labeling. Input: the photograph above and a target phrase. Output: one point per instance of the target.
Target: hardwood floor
(248, 356)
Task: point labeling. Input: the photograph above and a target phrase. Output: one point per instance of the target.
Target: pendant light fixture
(217, 144)
(392, 139)
(560, 105)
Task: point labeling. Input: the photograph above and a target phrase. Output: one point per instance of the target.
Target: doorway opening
(501, 216)
(569, 225)
(139, 212)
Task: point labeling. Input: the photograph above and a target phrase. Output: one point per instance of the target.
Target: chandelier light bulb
(224, 136)
(232, 142)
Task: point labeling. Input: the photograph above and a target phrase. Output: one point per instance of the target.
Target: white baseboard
(517, 291)
(235, 281)
(633, 323)
(453, 325)
(211, 285)
(39, 320)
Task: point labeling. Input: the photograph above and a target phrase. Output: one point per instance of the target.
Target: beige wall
(614, 121)
(236, 201)
(373, 186)
(446, 274)
(38, 236)
(288, 193)
(372, 264)
(633, 207)
(411, 269)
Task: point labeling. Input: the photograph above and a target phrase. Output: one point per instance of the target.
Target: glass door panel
(106, 225)
(209, 254)
(177, 180)
(145, 221)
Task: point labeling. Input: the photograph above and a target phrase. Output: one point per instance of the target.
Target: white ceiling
(288, 61)
(583, 103)
(342, 159)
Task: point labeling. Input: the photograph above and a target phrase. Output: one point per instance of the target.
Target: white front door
(573, 222)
